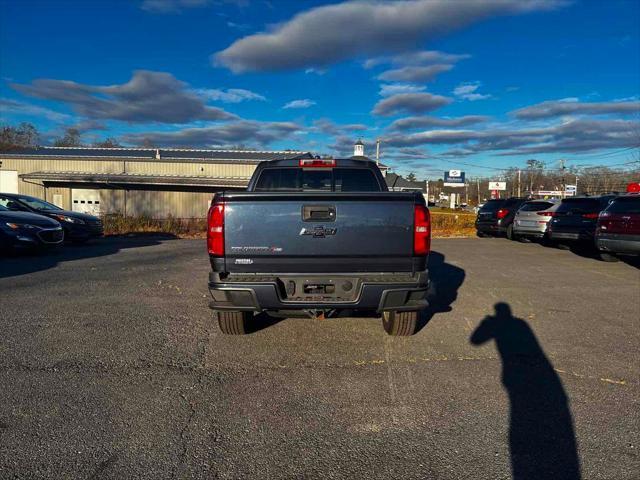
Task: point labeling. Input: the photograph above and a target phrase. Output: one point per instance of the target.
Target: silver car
(532, 217)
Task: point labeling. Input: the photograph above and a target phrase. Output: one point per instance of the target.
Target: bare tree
(24, 135)
(109, 142)
(71, 138)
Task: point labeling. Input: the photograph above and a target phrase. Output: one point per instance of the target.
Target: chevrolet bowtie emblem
(318, 232)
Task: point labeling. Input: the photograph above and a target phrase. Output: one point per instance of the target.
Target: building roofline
(148, 149)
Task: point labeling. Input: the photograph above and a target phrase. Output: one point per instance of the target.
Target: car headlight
(64, 218)
(17, 226)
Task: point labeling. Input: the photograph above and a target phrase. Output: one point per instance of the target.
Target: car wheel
(510, 234)
(234, 323)
(607, 257)
(400, 324)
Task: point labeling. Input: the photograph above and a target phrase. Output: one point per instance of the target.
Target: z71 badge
(318, 232)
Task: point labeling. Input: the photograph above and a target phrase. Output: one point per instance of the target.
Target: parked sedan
(78, 227)
(496, 217)
(532, 218)
(28, 231)
(618, 229)
(574, 222)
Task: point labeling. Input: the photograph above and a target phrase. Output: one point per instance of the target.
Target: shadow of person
(446, 279)
(541, 435)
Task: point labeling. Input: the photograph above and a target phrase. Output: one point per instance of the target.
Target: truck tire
(400, 324)
(234, 323)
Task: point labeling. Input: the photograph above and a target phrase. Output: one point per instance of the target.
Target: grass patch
(181, 227)
(452, 224)
(443, 225)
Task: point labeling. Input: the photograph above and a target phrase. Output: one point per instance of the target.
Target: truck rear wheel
(400, 324)
(234, 323)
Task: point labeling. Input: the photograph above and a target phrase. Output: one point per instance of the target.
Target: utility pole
(378, 151)
(518, 182)
(478, 187)
(562, 167)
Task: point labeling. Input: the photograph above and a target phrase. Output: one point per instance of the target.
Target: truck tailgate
(319, 232)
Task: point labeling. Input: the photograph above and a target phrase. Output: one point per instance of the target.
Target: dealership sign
(497, 185)
(454, 178)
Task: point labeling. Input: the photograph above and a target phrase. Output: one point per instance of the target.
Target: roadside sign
(633, 187)
(554, 193)
(454, 178)
(497, 185)
(571, 188)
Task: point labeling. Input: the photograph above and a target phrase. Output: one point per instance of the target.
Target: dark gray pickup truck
(318, 237)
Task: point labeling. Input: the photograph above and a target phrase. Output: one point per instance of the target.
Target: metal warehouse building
(131, 181)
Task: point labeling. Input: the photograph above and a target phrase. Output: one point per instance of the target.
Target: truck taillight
(503, 212)
(317, 163)
(215, 229)
(421, 230)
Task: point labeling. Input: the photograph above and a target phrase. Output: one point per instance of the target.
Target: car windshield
(3, 209)
(38, 204)
(624, 205)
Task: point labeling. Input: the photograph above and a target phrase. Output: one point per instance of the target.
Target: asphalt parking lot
(111, 367)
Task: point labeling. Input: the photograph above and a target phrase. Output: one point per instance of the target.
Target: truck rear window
(292, 179)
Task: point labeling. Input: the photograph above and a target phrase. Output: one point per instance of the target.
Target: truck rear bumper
(380, 292)
(615, 243)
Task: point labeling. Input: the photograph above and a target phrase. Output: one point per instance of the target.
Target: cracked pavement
(111, 366)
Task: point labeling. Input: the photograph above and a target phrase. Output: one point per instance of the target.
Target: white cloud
(468, 91)
(146, 97)
(303, 103)
(171, 6)
(409, 102)
(568, 106)
(233, 133)
(231, 95)
(414, 73)
(424, 57)
(16, 107)
(328, 34)
(386, 89)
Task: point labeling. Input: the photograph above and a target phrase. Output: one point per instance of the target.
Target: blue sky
(444, 84)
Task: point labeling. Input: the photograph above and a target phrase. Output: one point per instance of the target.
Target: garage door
(85, 201)
(8, 181)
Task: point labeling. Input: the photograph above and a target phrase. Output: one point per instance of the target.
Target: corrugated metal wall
(157, 204)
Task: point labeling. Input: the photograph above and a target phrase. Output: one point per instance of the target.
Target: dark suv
(575, 220)
(496, 217)
(618, 229)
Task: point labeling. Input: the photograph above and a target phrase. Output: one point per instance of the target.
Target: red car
(618, 228)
